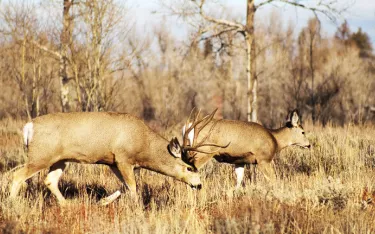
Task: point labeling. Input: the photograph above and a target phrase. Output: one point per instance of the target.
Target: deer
(247, 143)
(121, 141)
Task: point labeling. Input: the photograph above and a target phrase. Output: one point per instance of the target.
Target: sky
(360, 14)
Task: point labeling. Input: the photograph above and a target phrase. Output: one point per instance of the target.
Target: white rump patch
(191, 133)
(28, 131)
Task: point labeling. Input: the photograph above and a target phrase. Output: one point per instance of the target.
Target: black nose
(309, 146)
(199, 186)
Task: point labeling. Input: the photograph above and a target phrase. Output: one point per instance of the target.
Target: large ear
(294, 118)
(174, 148)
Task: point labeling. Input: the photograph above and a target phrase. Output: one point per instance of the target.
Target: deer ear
(174, 148)
(294, 118)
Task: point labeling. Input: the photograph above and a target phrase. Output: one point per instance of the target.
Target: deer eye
(303, 133)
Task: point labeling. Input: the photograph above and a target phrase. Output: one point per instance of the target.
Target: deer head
(297, 134)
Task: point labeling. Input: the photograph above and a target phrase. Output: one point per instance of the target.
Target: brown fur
(250, 143)
(120, 141)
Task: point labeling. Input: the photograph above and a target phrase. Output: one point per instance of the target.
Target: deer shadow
(69, 190)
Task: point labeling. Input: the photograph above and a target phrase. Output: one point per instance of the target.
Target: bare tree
(60, 54)
(310, 36)
(65, 40)
(217, 26)
(97, 59)
(138, 66)
(25, 61)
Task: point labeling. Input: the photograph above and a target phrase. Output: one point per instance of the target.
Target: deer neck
(282, 137)
(157, 158)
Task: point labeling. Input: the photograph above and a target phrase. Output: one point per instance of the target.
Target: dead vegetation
(321, 191)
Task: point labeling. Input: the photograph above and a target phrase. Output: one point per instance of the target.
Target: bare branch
(44, 48)
(218, 33)
(323, 7)
(218, 21)
(264, 3)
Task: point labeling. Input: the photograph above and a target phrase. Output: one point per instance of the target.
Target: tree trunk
(35, 85)
(97, 49)
(78, 87)
(23, 79)
(148, 112)
(248, 75)
(313, 113)
(65, 38)
(254, 91)
(250, 67)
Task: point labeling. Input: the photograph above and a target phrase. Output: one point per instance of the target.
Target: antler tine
(194, 124)
(202, 144)
(193, 117)
(205, 152)
(197, 129)
(196, 117)
(191, 113)
(204, 122)
(187, 127)
(199, 144)
(195, 149)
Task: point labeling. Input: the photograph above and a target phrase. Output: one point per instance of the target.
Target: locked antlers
(191, 130)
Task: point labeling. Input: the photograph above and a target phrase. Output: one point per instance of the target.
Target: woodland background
(90, 56)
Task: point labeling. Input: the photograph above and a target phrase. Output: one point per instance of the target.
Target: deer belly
(90, 157)
(246, 158)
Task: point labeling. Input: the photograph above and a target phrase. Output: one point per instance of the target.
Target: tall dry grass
(318, 191)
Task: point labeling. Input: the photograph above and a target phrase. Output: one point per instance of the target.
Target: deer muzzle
(196, 187)
(194, 181)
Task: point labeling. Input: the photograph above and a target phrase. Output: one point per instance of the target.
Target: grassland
(318, 191)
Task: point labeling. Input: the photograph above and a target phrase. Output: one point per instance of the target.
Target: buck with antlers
(121, 141)
(247, 143)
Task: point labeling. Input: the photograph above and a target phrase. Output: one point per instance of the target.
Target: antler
(193, 127)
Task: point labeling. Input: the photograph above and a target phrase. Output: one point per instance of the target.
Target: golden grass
(318, 191)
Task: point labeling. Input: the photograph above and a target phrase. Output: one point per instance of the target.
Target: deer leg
(52, 180)
(239, 170)
(125, 173)
(129, 182)
(21, 175)
(267, 170)
(137, 172)
(254, 173)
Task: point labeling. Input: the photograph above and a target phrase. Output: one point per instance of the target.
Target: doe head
(297, 136)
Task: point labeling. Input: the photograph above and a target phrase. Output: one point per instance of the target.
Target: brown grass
(319, 191)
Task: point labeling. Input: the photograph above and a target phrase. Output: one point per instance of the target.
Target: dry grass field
(318, 191)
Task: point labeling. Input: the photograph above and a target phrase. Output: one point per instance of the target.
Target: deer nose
(198, 187)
